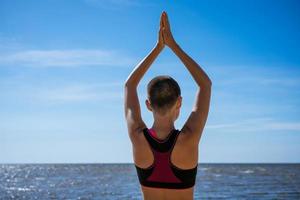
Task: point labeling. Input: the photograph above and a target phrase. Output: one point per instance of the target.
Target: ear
(179, 102)
(148, 104)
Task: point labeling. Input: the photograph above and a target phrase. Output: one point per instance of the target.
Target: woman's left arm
(132, 105)
(139, 71)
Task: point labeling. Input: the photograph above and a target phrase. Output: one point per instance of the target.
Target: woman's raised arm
(131, 104)
(197, 119)
(141, 68)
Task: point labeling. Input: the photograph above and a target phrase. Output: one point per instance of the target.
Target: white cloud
(256, 75)
(288, 126)
(78, 93)
(262, 81)
(254, 125)
(65, 93)
(65, 58)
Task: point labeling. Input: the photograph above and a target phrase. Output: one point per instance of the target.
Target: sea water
(119, 181)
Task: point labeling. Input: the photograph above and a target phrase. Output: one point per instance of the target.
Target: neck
(163, 126)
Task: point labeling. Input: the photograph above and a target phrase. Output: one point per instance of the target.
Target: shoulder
(136, 135)
(187, 137)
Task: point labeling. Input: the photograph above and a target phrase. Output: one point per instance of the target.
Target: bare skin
(185, 152)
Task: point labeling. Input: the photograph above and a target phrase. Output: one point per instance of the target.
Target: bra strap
(164, 145)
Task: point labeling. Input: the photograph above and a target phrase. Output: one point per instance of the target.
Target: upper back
(162, 172)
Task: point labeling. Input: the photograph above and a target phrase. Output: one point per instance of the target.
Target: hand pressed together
(165, 36)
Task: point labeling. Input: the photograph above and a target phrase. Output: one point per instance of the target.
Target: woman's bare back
(183, 156)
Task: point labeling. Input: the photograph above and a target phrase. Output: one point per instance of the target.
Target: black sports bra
(162, 173)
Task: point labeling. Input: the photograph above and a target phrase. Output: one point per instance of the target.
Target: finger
(161, 21)
(167, 21)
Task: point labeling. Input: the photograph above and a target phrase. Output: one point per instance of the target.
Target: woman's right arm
(195, 70)
(194, 125)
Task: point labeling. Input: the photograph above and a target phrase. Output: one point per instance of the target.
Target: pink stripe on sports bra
(153, 133)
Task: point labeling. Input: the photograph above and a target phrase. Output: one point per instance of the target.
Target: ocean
(119, 181)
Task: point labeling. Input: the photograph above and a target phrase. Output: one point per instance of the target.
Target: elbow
(129, 84)
(207, 84)
(126, 84)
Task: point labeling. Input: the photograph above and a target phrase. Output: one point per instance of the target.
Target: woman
(166, 159)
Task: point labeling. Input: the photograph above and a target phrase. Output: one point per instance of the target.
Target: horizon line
(114, 163)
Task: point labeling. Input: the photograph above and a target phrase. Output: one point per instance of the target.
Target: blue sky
(63, 65)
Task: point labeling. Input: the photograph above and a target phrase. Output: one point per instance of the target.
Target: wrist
(173, 45)
(159, 46)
